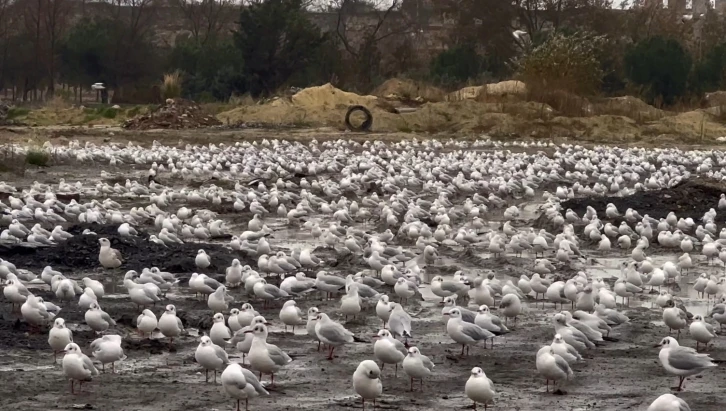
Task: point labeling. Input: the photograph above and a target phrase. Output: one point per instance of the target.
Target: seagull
(331, 333)
(98, 319)
(417, 366)
(388, 350)
(219, 333)
(552, 366)
(241, 384)
(202, 260)
(169, 324)
(211, 357)
(77, 366)
(367, 382)
(291, 315)
(682, 361)
(107, 349)
(263, 357)
(107, 256)
(464, 333)
(146, 322)
(669, 402)
(59, 337)
(479, 388)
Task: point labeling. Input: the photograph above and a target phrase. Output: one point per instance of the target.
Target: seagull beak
(268, 324)
(447, 314)
(656, 346)
(248, 332)
(441, 303)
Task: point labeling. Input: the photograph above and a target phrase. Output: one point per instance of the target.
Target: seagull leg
(548, 385)
(237, 404)
(246, 404)
(411, 384)
(272, 380)
(420, 384)
(72, 387)
(396, 372)
(206, 375)
(462, 349)
(363, 400)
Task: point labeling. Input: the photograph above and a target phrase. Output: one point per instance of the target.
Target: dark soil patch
(81, 253)
(688, 199)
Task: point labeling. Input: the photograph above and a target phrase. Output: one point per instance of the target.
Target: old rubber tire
(366, 125)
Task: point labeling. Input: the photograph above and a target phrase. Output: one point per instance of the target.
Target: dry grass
(171, 86)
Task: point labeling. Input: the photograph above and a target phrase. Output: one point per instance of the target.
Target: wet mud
(692, 199)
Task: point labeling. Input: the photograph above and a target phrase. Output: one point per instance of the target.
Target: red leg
(411, 384)
(72, 387)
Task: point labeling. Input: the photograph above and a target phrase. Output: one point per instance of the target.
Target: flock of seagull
(423, 196)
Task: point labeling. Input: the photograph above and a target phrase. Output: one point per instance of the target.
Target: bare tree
(206, 18)
(54, 20)
(361, 26)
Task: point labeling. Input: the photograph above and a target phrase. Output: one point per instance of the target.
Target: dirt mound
(408, 90)
(321, 106)
(508, 88)
(81, 253)
(628, 106)
(688, 199)
(174, 114)
(327, 96)
(717, 98)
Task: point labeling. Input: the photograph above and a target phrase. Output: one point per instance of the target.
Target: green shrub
(16, 112)
(37, 158)
(661, 66)
(109, 112)
(133, 112)
(457, 65)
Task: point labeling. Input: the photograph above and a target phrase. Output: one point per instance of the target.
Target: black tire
(367, 123)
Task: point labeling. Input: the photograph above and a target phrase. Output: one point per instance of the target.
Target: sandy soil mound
(175, 114)
(321, 106)
(408, 90)
(616, 119)
(503, 89)
(628, 106)
(690, 199)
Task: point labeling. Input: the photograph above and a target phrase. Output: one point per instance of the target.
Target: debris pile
(174, 114)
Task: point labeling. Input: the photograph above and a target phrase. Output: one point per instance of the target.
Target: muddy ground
(692, 198)
(621, 375)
